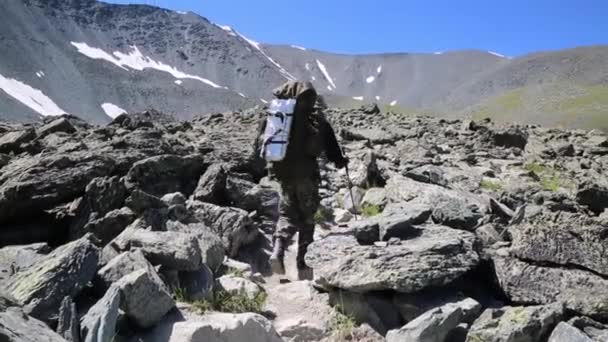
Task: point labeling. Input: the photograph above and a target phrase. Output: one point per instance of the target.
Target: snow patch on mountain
(112, 110)
(394, 103)
(242, 95)
(40, 74)
(298, 47)
(438, 53)
(314, 78)
(496, 54)
(370, 79)
(178, 82)
(256, 45)
(307, 66)
(263, 100)
(326, 74)
(358, 98)
(137, 61)
(182, 12)
(29, 96)
(377, 98)
(227, 29)
(379, 69)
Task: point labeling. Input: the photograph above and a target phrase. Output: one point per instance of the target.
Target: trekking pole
(350, 188)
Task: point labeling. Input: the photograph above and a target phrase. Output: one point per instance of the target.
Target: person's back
(298, 172)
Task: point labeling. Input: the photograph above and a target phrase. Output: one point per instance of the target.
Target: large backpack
(278, 127)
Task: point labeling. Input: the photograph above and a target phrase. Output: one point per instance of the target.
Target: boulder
(33, 184)
(99, 323)
(432, 326)
(232, 225)
(140, 201)
(178, 251)
(68, 325)
(212, 249)
(582, 292)
(597, 331)
(111, 225)
(211, 187)
(62, 125)
(435, 258)
(122, 265)
(391, 225)
(516, 324)
(428, 174)
(16, 326)
(238, 286)
(175, 198)
(571, 240)
(145, 298)
(593, 195)
(165, 174)
(16, 258)
(566, 332)
(375, 197)
(220, 327)
(41, 288)
(457, 214)
(12, 141)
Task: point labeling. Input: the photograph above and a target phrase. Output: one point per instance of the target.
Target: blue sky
(512, 28)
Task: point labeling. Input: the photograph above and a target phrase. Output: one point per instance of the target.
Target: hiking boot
(277, 258)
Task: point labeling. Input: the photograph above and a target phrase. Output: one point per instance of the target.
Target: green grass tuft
(549, 177)
(491, 185)
(181, 295)
(323, 215)
(223, 301)
(235, 272)
(370, 210)
(341, 326)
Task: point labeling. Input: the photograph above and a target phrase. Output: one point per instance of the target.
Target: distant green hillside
(556, 104)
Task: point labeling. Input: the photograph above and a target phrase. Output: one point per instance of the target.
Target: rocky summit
(154, 229)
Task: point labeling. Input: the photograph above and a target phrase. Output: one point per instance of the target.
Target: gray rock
(488, 234)
(375, 197)
(140, 201)
(101, 196)
(211, 187)
(32, 184)
(582, 292)
(60, 125)
(457, 214)
(145, 299)
(99, 323)
(571, 240)
(594, 195)
(435, 258)
(65, 272)
(238, 286)
(516, 324)
(12, 141)
(174, 198)
(432, 326)
(357, 197)
(387, 226)
(68, 325)
(178, 251)
(122, 265)
(111, 225)
(232, 225)
(220, 327)
(198, 285)
(16, 326)
(565, 150)
(212, 249)
(565, 332)
(428, 174)
(165, 174)
(597, 331)
(16, 258)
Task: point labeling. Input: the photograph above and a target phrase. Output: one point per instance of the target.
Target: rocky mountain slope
(97, 60)
(152, 229)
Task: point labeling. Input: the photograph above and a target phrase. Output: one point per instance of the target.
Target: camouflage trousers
(299, 202)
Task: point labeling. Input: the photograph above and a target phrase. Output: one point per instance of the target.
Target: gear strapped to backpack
(278, 126)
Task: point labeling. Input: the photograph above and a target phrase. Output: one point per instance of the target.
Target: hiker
(298, 172)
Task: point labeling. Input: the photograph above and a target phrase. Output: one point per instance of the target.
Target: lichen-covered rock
(65, 272)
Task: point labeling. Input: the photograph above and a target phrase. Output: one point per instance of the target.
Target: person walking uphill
(298, 172)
